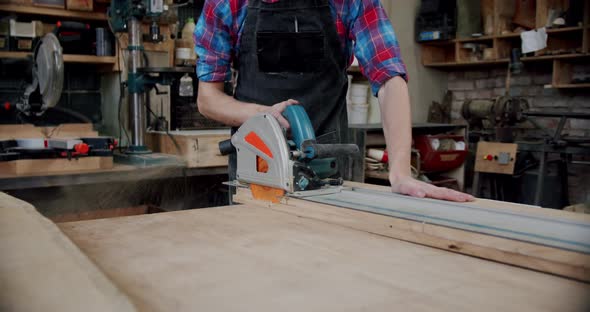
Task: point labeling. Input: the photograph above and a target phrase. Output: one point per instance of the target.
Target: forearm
(394, 101)
(214, 104)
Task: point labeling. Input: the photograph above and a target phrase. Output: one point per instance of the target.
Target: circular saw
(48, 75)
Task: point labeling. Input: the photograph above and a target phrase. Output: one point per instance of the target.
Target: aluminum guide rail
(550, 231)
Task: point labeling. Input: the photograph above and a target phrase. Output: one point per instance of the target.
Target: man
(296, 52)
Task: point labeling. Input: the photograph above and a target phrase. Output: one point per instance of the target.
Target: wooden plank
(25, 131)
(198, 148)
(105, 213)
(60, 13)
(492, 166)
(41, 270)
(248, 257)
(89, 59)
(546, 259)
(54, 165)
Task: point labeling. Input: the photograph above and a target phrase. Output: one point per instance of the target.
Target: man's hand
(409, 186)
(214, 104)
(277, 111)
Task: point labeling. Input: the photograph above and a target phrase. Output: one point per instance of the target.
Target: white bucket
(358, 114)
(374, 111)
(358, 100)
(359, 89)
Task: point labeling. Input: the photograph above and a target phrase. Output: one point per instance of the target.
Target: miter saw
(48, 76)
(271, 164)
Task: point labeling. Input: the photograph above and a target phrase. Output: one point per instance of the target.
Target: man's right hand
(214, 104)
(277, 111)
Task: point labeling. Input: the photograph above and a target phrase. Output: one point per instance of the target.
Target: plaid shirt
(362, 25)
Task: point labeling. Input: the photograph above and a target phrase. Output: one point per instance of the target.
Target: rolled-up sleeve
(213, 42)
(375, 43)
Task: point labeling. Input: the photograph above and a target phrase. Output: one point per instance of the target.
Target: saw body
(268, 160)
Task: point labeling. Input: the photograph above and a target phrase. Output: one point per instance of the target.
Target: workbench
(252, 258)
(119, 173)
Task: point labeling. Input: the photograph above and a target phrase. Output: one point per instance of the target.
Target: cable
(176, 145)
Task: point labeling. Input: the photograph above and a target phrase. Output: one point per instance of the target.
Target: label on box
(3, 43)
(24, 44)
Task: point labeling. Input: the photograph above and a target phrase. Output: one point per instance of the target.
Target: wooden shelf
(61, 13)
(564, 29)
(474, 39)
(89, 59)
(505, 61)
(68, 58)
(571, 86)
(466, 64)
(553, 57)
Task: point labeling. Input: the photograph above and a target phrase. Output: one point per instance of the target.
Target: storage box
(24, 36)
(4, 34)
(80, 5)
(59, 4)
(435, 156)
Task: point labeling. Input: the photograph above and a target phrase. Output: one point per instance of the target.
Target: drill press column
(136, 92)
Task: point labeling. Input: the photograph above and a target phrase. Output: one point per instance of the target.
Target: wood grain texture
(545, 259)
(54, 165)
(252, 258)
(198, 150)
(61, 13)
(41, 270)
(26, 131)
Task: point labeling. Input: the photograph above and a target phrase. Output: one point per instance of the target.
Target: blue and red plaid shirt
(362, 25)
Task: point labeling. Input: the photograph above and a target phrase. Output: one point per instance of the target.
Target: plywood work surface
(249, 258)
(54, 165)
(41, 270)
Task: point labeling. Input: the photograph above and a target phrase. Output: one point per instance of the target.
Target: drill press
(127, 16)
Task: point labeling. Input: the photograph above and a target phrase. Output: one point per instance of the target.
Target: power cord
(158, 119)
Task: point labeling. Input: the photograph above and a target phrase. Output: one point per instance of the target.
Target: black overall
(291, 50)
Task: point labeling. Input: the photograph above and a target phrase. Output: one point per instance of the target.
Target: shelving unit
(68, 58)
(34, 10)
(572, 43)
(371, 136)
(50, 16)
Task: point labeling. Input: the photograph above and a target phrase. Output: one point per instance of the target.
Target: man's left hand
(407, 185)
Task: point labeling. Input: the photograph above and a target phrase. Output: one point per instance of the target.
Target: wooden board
(105, 213)
(249, 258)
(47, 166)
(41, 270)
(494, 149)
(199, 149)
(533, 256)
(63, 165)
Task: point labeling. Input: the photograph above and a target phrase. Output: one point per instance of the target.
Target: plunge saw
(272, 164)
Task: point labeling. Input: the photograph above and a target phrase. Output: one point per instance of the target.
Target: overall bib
(291, 50)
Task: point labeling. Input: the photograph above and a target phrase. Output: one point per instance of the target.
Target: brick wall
(488, 83)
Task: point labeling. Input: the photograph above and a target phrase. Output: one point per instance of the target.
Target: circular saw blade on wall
(49, 70)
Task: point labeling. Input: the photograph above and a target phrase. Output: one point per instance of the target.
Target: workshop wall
(488, 83)
(426, 85)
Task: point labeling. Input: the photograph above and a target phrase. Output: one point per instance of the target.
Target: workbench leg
(541, 179)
